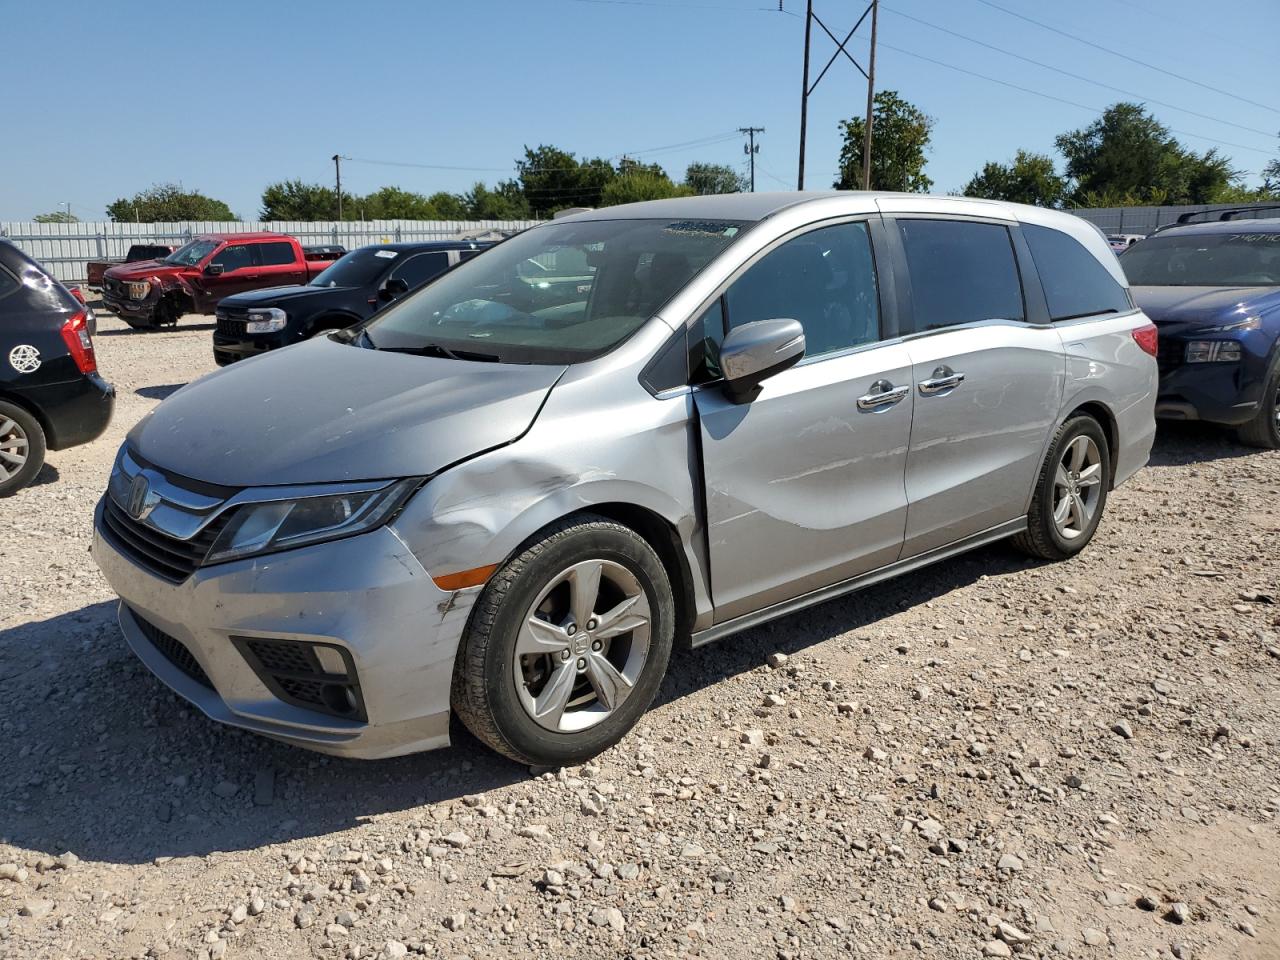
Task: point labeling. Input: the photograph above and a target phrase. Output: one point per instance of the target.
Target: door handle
(941, 380)
(883, 394)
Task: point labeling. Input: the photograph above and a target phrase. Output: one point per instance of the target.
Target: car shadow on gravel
(105, 761)
(1181, 442)
(160, 391)
(143, 331)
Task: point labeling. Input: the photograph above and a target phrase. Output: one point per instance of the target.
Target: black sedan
(351, 290)
(51, 396)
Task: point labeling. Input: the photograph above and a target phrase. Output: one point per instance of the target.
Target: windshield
(358, 268)
(1205, 260)
(560, 293)
(192, 252)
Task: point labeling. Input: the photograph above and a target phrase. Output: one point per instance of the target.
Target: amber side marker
(467, 578)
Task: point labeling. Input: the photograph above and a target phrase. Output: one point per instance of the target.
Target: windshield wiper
(438, 350)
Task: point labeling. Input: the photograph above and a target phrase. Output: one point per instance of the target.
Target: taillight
(75, 332)
(1147, 338)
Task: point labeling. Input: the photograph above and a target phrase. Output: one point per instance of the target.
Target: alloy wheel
(582, 646)
(1077, 487)
(14, 446)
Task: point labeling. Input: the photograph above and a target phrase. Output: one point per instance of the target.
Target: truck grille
(230, 324)
(172, 650)
(1169, 355)
(115, 287)
(167, 557)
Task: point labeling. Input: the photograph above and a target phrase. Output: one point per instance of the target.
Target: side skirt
(748, 620)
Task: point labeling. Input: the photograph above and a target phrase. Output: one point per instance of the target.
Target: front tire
(22, 447)
(567, 644)
(1264, 429)
(1071, 492)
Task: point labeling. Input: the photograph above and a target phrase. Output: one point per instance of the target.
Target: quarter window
(825, 279)
(275, 254)
(961, 272)
(1075, 283)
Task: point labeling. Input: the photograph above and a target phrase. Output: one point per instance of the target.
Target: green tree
(505, 201)
(641, 185)
(391, 203)
(900, 138)
(60, 216)
(1127, 155)
(1270, 188)
(166, 203)
(295, 200)
(1030, 178)
(553, 179)
(708, 178)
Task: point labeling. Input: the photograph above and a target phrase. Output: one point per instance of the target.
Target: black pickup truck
(348, 291)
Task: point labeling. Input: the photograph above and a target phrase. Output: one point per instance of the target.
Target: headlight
(138, 289)
(1213, 351)
(267, 320)
(284, 524)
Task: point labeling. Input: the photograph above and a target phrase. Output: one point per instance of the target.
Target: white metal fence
(65, 248)
(1146, 219)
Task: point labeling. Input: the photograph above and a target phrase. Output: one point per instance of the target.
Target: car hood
(141, 269)
(1191, 307)
(324, 411)
(270, 295)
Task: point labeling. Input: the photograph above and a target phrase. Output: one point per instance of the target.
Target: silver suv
(511, 493)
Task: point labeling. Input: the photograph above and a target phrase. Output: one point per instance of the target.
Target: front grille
(173, 650)
(228, 325)
(115, 287)
(165, 556)
(1169, 354)
(292, 671)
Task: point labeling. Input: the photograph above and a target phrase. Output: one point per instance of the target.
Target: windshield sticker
(1254, 238)
(387, 254)
(24, 358)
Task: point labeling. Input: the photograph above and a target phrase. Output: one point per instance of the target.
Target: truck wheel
(1264, 429)
(167, 312)
(1070, 494)
(567, 645)
(21, 448)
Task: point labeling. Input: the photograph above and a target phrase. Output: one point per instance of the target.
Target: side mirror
(753, 352)
(395, 287)
(214, 270)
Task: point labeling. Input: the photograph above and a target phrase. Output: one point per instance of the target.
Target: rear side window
(418, 270)
(275, 254)
(825, 279)
(1075, 283)
(961, 272)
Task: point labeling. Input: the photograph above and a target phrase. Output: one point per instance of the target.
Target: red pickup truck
(207, 268)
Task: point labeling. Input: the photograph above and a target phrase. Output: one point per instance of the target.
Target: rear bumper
(74, 412)
(367, 595)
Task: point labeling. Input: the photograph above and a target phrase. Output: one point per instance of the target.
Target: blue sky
(105, 99)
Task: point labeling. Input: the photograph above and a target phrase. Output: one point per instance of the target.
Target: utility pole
(804, 92)
(871, 95)
(67, 204)
(807, 88)
(751, 150)
(337, 172)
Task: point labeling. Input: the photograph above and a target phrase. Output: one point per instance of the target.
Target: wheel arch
(50, 435)
(332, 320)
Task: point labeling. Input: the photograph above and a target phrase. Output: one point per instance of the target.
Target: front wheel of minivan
(1071, 492)
(567, 645)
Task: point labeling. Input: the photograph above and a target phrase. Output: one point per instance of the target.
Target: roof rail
(1227, 213)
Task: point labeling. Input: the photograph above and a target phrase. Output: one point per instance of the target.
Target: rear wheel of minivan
(567, 645)
(22, 446)
(1071, 492)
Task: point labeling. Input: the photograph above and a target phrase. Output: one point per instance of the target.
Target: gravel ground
(994, 757)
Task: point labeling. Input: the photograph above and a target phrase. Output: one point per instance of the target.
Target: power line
(1076, 76)
(680, 5)
(1057, 99)
(1125, 56)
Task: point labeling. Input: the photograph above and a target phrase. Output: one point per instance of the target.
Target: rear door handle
(883, 394)
(936, 383)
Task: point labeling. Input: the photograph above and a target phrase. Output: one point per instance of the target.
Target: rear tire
(22, 448)
(563, 691)
(1071, 492)
(1264, 429)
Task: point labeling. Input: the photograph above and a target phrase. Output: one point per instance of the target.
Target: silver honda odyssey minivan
(509, 495)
